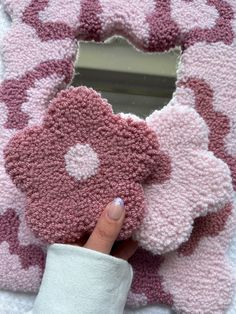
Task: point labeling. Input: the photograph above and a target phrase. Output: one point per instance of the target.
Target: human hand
(107, 230)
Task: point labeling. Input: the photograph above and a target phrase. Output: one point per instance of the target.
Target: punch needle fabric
(205, 30)
(198, 184)
(80, 159)
(83, 150)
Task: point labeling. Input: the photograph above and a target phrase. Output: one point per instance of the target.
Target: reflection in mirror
(130, 80)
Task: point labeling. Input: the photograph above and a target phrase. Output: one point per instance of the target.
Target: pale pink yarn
(199, 182)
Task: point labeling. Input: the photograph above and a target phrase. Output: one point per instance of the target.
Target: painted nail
(116, 209)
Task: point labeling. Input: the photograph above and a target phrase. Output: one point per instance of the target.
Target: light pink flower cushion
(199, 182)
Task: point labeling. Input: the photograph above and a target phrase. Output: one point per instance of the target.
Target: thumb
(108, 227)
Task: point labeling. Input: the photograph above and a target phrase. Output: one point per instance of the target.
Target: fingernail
(116, 209)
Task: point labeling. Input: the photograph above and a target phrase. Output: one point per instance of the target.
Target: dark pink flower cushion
(81, 158)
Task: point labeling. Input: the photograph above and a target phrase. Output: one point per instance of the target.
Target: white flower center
(81, 161)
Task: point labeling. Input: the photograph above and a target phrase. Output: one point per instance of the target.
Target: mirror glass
(132, 81)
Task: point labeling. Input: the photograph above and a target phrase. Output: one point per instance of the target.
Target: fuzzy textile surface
(82, 150)
(176, 275)
(79, 160)
(4, 26)
(196, 277)
(195, 187)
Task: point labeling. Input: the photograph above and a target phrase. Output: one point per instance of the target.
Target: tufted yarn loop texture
(199, 183)
(81, 162)
(122, 153)
(39, 52)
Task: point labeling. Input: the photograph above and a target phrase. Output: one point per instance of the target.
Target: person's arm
(87, 280)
